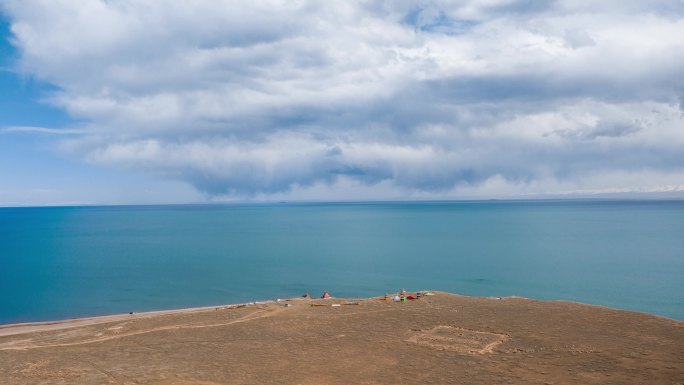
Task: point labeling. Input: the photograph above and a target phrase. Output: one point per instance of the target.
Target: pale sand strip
(249, 317)
(29, 327)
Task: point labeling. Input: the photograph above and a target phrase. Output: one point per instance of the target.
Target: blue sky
(33, 170)
(116, 102)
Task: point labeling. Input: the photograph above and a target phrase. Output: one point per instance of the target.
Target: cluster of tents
(402, 296)
(325, 295)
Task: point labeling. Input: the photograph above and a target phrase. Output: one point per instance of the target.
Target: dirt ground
(441, 339)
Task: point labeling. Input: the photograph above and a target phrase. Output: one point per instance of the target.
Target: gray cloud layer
(262, 97)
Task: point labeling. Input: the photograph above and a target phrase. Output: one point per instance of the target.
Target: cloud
(415, 97)
(40, 130)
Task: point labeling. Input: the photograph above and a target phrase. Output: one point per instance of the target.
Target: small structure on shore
(325, 294)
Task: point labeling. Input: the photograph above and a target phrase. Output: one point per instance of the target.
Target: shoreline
(42, 326)
(431, 339)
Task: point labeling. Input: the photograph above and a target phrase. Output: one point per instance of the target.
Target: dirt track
(434, 340)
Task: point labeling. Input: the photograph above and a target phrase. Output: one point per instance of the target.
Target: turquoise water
(76, 261)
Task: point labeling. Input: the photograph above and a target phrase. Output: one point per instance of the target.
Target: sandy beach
(438, 339)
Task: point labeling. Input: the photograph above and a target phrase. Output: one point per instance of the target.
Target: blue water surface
(62, 262)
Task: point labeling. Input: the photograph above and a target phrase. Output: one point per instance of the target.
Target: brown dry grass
(434, 340)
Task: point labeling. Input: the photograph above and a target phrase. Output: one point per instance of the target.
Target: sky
(151, 101)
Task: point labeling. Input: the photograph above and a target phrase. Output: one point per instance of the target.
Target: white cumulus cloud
(416, 97)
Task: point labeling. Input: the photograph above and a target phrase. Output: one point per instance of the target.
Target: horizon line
(647, 197)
